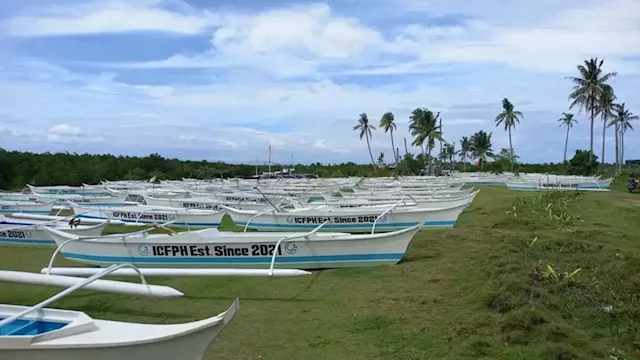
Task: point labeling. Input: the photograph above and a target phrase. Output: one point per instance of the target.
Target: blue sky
(221, 80)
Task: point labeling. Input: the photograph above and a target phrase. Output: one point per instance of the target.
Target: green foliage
(583, 163)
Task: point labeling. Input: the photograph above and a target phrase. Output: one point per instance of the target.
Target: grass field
(477, 291)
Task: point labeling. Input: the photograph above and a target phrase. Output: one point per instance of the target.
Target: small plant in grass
(551, 206)
(551, 274)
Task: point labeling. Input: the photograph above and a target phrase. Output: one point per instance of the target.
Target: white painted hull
(211, 248)
(199, 203)
(23, 232)
(530, 186)
(85, 200)
(143, 214)
(84, 338)
(8, 207)
(351, 220)
(419, 203)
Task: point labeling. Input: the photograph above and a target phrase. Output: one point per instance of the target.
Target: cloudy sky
(223, 79)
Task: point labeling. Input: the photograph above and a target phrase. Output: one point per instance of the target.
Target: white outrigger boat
(213, 248)
(205, 203)
(146, 214)
(118, 200)
(423, 203)
(29, 232)
(8, 207)
(39, 333)
(360, 219)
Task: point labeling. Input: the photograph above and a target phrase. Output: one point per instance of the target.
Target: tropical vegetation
(591, 93)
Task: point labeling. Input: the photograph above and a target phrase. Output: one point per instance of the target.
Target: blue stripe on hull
(179, 223)
(13, 241)
(96, 204)
(399, 225)
(235, 260)
(535, 188)
(9, 211)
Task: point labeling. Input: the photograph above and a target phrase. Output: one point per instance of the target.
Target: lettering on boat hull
(213, 250)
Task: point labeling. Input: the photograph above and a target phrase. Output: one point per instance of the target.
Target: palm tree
(449, 151)
(365, 131)
(587, 89)
(481, 147)
(417, 127)
(423, 127)
(509, 116)
(381, 159)
(604, 108)
(623, 118)
(387, 122)
(568, 121)
(465, 151)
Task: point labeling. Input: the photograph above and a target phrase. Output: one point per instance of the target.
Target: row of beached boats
(301, 227)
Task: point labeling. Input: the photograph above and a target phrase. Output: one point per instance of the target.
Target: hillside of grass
(521, 276)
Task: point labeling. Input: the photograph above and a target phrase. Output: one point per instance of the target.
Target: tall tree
(587, 88)
(387, 122)
(604, 108)
(365, 131)
(423, 126)
(568, 121)
(417, 126)
(449, 151)
(481, 147)
(509, 117)
(623, 117)
(465, 151)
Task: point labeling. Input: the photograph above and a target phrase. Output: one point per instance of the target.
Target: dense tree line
(20, 168)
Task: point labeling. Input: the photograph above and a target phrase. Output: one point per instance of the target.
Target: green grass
(477, 291)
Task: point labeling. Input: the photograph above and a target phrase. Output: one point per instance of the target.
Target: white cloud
(65, 130)
(307, 39)
(309, 28)
(280, 78)
(68, 134)
(107, 17)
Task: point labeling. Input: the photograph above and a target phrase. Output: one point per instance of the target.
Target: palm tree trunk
(591, 136)
(566, 142)
(511, 149)
(370, 153)
(617, 149)
(429, 156)
(604, 134)
(621, 148)
(464, 163)
(393, 147)
(406, 149)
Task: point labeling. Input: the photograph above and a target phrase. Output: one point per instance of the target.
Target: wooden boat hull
(85, 338)
(243, 250)
(22, 232)
(26, 207)
(150, 215)
(352, 220)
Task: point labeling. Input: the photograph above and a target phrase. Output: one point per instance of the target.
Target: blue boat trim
(230, 259)
(100, 204)
(348, 226)
(178, 223)
(27, 241)
(9, 211)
